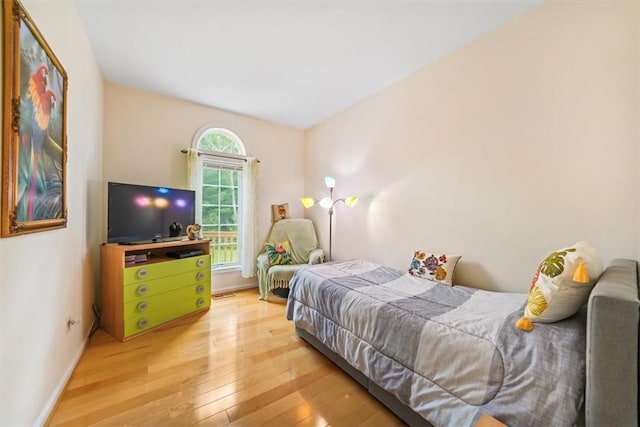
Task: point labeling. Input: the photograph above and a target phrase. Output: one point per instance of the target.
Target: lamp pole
(330, 211)
(330, 231)
(331, 219)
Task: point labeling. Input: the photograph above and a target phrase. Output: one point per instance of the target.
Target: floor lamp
(329, 203)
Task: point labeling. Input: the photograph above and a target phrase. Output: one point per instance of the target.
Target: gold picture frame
(34, 146)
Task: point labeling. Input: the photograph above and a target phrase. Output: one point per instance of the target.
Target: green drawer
(165, 301)
(148, 288)
(142, 322)
(138, 273)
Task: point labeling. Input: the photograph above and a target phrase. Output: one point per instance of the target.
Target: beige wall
(144, 134)
(47, 276)
(522, 142)
(638, 113)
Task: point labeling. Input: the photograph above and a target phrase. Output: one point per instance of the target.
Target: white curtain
(249, 217)
(194, 170)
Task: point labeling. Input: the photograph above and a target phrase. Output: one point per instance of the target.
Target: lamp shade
(307, 202)
(329, 182)
(326, 202)
(350, 201)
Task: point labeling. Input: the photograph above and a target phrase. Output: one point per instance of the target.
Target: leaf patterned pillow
(279, 253)
(558, 290)
(438, 267)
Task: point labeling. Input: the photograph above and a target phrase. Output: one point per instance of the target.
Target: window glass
(221, 190)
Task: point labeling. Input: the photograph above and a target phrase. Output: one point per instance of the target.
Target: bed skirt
(402, 411)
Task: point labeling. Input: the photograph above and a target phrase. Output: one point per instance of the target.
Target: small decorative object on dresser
(175, 229)
(193, 232)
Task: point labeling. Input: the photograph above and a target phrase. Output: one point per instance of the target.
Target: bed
(439, 355)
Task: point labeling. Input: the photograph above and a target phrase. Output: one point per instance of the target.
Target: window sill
(225, 269)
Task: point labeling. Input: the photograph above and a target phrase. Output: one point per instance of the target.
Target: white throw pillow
(433, 266)
(554, 294)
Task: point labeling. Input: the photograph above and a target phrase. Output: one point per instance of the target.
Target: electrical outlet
(71, 321)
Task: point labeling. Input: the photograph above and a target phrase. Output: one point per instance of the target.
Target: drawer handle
(200, 302)
(142, 306)
(200, 289)
(143, 322)
(200, 262)
(142, 290)
(142, 273)
(200, 275)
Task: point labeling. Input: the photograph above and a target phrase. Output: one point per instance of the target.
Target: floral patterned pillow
(561, 285)
(438, 267)
(279, 253)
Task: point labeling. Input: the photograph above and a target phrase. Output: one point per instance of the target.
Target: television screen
(140, 213)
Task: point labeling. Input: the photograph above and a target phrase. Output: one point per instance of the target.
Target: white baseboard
(57, 392)
(233, 288)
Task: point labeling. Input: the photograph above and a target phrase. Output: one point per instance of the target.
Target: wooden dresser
(158, 289)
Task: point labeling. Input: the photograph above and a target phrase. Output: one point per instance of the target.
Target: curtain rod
(226, 155)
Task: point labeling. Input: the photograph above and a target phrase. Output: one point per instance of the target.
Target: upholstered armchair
(303, 244)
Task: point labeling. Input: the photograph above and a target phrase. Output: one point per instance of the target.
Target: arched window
(218, 140)
(220, 186)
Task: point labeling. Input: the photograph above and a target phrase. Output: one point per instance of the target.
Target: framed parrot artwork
(34, 145)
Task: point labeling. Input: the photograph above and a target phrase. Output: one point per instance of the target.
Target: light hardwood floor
(240, 364)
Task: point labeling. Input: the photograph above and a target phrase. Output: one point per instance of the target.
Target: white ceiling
(293, 62)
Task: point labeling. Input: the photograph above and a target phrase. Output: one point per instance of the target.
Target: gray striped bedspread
(449, 353)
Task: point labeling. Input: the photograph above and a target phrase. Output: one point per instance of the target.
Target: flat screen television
(141, 213)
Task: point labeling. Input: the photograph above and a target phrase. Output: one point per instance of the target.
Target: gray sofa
(611, 397)
(613, 316)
